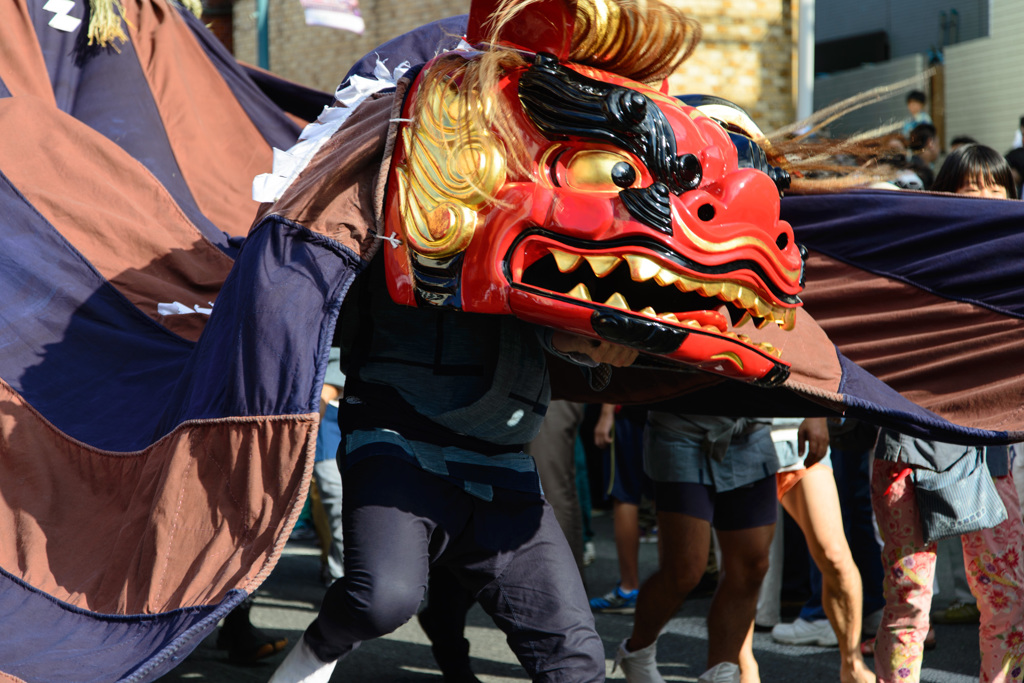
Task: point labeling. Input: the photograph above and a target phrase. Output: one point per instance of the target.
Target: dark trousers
(509, 553)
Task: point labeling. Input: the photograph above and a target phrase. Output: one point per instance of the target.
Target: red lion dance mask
(633, 217)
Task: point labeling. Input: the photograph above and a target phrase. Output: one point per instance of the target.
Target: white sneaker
(723, 672)
(302, 666)
(589, 553)
(639, 666)
(801, 632)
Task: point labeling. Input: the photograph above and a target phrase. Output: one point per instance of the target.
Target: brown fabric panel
(204, 510)
(807, 348)
(334, 195)
(216, 145)
(964, 362)
(22, 67)
(105, 204)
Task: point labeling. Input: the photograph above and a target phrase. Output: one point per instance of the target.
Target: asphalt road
(289, 599)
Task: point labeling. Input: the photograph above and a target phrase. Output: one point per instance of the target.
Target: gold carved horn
(452, 169)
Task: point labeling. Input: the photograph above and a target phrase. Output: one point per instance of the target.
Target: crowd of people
(918, 151)
(719, 487)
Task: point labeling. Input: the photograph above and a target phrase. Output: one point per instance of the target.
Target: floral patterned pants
(993, 562)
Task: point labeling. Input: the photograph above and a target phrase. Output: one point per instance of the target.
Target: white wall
(984, 85)
(835, 87)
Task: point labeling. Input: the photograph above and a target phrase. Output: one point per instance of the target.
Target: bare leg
(731, 616)
(683, 543)
(814, 503)
(749, 670)
(626, 518)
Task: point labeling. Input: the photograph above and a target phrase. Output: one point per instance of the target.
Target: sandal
(245, 643)
(867, 648)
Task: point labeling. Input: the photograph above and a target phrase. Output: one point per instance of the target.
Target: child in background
(976, 171)
(916, 115)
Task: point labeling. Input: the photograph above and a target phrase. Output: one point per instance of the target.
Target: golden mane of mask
(644, 41)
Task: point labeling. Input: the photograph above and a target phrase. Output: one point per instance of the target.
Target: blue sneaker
(616, 601)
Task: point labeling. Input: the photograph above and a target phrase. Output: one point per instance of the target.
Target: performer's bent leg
(397, 519)
(533, 590)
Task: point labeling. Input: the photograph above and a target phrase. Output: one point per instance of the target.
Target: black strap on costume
(382, 407)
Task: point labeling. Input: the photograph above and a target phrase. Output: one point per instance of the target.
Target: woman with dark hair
(977, 171)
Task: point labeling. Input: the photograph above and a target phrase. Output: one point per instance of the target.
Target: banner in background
(343, 14)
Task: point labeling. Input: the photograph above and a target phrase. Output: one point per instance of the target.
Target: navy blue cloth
(265, 349)
(417, 47)
(34, 622)
(962, 248)
(55, 305)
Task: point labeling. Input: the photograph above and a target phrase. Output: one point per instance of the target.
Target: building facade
(977, 42)
(747, 54)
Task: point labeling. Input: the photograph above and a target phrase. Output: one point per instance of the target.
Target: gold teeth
(666, 278)
(565, 261)
(643, 269)
(763, 346)
(783, 317)
(580, 291)
(602, 265)
(616, 300)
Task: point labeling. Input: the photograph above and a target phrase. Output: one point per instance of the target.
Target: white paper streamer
(268, 187)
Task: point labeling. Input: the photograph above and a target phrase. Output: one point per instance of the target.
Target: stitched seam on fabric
(275, 553)
(174, 527)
